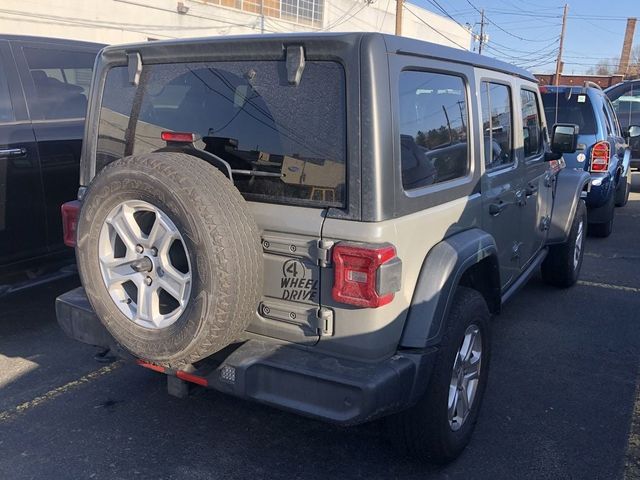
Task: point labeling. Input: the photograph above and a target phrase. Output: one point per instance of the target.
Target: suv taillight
(70, 213)
(366, 275)
(600, 157)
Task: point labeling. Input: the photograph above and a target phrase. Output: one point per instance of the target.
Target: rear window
(62, 79)
(292, 138)
(572, 107)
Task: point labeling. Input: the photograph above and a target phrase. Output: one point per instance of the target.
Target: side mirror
(564, 138)
(633, 131)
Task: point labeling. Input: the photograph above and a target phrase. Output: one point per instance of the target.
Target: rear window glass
(573, 108)
(293, 138)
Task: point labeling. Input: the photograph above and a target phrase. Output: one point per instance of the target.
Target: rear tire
(426, 431)
(220, 278)
(562, 266)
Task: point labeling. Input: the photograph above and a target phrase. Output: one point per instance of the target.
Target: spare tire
(169, 256)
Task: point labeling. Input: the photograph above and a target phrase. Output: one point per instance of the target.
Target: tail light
(178, 137)
(70, 214)
(366, 275)
(600, 157)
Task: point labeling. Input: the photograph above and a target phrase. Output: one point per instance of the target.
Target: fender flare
(439, 276)
(569, 186)
(626, 162)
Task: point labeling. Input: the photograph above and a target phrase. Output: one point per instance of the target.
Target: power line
(500, 28)
(432, 28)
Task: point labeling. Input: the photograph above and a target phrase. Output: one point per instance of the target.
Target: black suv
(44, 84)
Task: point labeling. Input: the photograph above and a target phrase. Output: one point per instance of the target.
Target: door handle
(531, 190)
(12, 152)
(496, 208)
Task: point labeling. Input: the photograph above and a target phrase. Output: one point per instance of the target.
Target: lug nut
(139, 248)
(148, 281)
(154, 251)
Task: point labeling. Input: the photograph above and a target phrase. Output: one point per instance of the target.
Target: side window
(6, 109)
(62, 79)
(496, 124)
(433, 128)
(531, 124)
(608, 121)
(612, 115)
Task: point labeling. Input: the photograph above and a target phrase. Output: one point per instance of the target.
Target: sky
(527, 33)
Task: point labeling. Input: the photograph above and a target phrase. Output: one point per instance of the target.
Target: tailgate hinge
(324, 252)
(324, 317)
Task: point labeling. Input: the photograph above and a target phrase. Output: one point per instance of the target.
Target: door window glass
(612, 116)
(62, 79)
(531, 124)
(628, 103)
(496, 125)
(433, 128)
(6, 109)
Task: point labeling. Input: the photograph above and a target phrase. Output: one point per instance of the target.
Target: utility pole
(399, 7)
(261, 16)
(559, 60)
(481, 31)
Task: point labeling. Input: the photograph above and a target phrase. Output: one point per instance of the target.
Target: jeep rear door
(501, 182)
(537, 175)
(285, 144)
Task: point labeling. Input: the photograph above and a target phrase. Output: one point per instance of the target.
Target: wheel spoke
(174, 283)
(467, 347)
(161, 234)
(472, 371)
(126, 227)
(147, 304)
(453, 401)
(117, 271)
(462, 404)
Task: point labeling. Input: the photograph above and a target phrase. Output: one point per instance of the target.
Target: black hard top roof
(56, 41)
(395, 44)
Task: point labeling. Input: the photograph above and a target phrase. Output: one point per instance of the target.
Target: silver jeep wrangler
(319, 222)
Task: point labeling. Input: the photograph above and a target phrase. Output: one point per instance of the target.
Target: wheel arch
(468, 258)
(569, 186)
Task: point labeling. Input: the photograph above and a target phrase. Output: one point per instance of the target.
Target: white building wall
(125, 21)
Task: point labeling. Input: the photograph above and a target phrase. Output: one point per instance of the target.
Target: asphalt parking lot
(559, 403)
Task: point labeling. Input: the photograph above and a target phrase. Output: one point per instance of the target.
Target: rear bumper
(289, 377)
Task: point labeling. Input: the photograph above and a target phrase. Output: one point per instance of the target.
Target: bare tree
(634, 64)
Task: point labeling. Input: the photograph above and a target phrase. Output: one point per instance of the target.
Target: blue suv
(602, 150)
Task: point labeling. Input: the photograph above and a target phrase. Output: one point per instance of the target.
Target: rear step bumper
(299, 380)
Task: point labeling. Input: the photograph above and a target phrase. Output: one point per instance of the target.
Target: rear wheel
(562, 266)
(169, 256)
(440, 425)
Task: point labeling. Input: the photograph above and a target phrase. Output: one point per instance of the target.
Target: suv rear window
(247, 113)
(573, 108)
